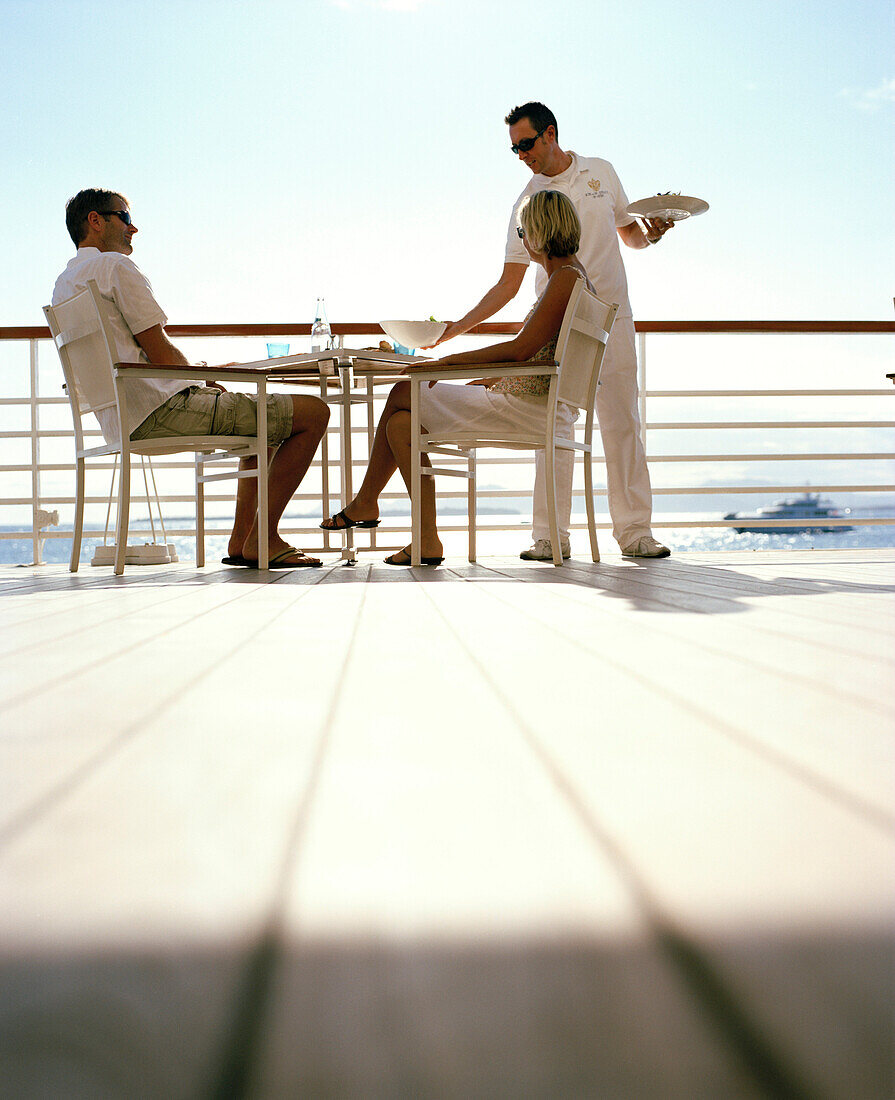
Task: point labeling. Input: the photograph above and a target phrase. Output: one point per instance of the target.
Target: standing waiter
(594, 188)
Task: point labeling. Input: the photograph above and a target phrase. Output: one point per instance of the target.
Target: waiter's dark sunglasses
(525, 144)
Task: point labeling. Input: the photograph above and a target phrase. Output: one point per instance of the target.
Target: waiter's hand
(656, 228)
(449, 333)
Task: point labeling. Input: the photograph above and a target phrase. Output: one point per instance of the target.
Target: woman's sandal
(342, 522)
(407, 559)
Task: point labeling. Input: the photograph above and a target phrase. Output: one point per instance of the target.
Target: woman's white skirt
(448, 406)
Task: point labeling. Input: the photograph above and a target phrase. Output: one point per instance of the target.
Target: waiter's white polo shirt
(599, 198)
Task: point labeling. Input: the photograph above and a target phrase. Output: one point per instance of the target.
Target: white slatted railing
(25, 448)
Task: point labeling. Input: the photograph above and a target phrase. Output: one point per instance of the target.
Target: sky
(276, 150)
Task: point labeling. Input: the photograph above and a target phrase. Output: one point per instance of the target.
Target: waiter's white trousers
(628, 483)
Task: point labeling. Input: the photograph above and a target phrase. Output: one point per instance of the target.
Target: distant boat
(809, 506)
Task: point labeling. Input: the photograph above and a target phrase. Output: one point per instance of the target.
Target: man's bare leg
(289, 466)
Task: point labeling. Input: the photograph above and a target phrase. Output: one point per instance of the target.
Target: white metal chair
(86, 348)
(580, 346)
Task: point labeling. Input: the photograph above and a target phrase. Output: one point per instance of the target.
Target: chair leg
(589, 504)
(416, 526)
(349, 552)
(262, 470)
(416, 519)
(200, 510)
(550, 471)
(124, 501)
(471, 507)
(78, 529)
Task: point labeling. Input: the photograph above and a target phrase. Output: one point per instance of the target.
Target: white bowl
(414, 334)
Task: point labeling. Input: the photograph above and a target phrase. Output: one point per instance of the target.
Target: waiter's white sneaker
(542, 550)
(646, 547)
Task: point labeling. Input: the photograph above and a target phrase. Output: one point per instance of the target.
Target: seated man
(100, 225)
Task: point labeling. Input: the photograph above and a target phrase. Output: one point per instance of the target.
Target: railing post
(641, 384)
(35, 454)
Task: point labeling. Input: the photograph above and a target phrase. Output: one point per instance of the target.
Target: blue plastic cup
(274, 351)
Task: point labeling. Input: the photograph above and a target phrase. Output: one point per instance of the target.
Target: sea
(57, 548)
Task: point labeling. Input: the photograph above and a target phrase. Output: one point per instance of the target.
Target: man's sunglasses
(123, 214)
(525, 144)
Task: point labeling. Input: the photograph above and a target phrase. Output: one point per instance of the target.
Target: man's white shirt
(130, 307)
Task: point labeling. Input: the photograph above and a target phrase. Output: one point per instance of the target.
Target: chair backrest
(580, 346)
(85, 345)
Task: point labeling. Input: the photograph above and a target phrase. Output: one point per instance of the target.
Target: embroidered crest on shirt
(594, 189)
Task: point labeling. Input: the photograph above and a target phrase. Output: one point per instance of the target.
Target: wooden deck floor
(616, 831)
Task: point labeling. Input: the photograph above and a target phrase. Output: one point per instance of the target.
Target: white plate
(670, 208)
(414, 334)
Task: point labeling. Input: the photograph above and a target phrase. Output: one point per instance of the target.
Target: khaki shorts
(201, 411)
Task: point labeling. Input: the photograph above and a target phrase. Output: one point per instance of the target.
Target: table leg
(415, 476)
(324, 468)
(262, 471)
(348, 550)
(371, 432)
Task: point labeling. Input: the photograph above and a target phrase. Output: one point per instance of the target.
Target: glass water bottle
(321, 334)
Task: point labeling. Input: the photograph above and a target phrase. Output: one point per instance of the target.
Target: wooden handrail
(844, 327)
(497, 328)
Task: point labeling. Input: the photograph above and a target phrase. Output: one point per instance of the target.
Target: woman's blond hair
(550, 223)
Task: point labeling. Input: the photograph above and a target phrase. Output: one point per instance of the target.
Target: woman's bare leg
(382, 463)
(398, 429)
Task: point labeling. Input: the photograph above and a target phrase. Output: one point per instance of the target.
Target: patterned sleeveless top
(532, 385)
